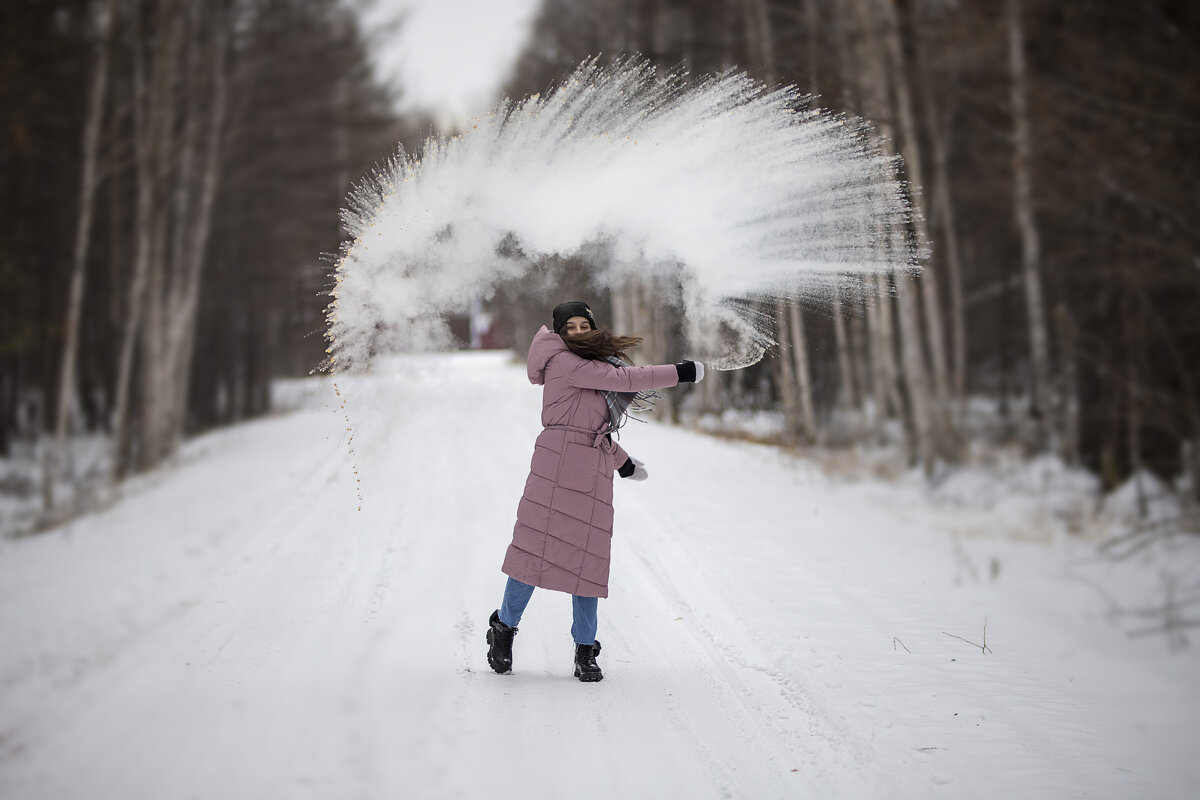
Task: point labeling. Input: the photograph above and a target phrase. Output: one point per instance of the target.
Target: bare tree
(848, 384)
(874, 88)
(153, 108)
(792, 369)
(881, 348)
(184, 302)
(944, 206)
(785, 374)
(1023, 210)
(87, 192)
(804, 389)
(101, 323)
(910, 148)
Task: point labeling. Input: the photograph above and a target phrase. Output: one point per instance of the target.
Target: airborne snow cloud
(733, 190)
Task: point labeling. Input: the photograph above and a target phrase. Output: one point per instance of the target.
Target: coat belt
(601, 440)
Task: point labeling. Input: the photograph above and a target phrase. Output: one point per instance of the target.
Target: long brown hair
(601, 343)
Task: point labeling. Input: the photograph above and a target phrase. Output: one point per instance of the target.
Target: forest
(172, 178)
(173, 172)
(1051, 151)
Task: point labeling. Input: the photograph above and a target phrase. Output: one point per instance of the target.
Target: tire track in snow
(729, 667)
(222, 626)
(160, 594)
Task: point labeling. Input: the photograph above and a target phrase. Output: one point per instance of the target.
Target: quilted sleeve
(602, 376)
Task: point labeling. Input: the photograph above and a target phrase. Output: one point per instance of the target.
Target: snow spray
(734, 191)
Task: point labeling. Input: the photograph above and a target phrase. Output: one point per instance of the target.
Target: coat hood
(546, 344)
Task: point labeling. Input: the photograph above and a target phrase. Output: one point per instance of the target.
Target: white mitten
(639, 471)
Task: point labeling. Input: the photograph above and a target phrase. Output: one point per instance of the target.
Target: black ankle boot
(500, 642)
(586, 668)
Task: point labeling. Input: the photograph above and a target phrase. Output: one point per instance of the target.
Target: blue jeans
(516, 597)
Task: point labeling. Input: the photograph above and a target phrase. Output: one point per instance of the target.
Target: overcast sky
(448, 56)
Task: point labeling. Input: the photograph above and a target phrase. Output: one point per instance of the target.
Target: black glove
(690, 371)
(632, 468)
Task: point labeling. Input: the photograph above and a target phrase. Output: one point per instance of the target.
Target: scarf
(620, 404)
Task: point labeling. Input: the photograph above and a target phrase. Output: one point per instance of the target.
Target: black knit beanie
(575, 308)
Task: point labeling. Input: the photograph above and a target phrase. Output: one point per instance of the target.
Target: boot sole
(501, 669)
(591, 677)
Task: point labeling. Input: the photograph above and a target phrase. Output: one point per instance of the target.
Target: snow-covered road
(238, 628)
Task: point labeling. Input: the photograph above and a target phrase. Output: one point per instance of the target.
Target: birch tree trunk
(874, 88)
(885, 383)
(910, 149)
(186, 302)
(151, 115)
(1031, 268)
(949, 239)
(847, 391)
(153, 332)
(785, 374)
(847, 388)
(141, 259)
(795, 383)
(870, 364)
(164, 273)
(87, 192)
(1071, 422)
(916, 379)
(859, 354)
(757, 24)
(808, 417)
(878, 372)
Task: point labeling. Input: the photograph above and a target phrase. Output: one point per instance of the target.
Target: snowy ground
(237, 628)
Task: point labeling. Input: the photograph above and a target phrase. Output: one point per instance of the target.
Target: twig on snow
(982, 647)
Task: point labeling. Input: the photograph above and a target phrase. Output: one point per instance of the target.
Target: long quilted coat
(564, 520)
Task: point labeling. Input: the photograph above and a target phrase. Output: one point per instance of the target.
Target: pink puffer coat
(564, 521)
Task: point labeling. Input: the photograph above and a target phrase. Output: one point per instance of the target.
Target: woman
(564, 520)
